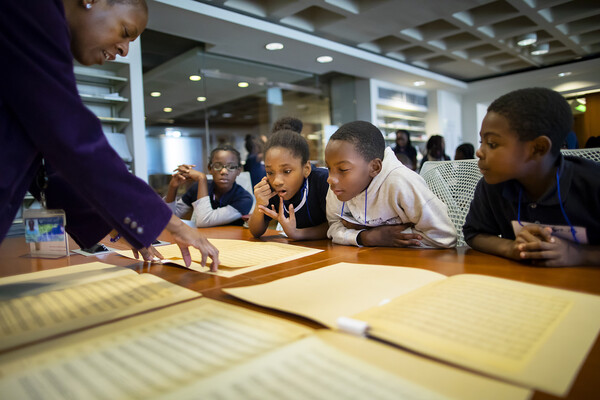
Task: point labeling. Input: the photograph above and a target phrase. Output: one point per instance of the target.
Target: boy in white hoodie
(374, 200)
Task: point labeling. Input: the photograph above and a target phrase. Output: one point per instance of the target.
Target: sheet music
(47, 312)
(336, 366)
(146, 355)
(526, 333)
(237, 254)
(308, 369)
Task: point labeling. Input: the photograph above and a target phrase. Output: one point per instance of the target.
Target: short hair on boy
(535, 112)
(467, 149)
(225, 148)
(287, 123)
(292, 141)
(366, 138)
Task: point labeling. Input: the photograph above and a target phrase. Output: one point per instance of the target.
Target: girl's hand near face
(287, 223)
(263, 192)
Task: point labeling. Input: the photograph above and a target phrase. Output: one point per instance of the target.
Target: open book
(531, 335)
(212, 350)
(236, 256)
(42, 304)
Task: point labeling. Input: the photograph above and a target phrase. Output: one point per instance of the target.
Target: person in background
(435, 150)
(404, 147)
(43, 120)
(254, 162)
(533, 203)
(465, 151)
(592, 142)
(287, 123)
(571, 141)
(293, 192)
(374, 200)
(220, 201)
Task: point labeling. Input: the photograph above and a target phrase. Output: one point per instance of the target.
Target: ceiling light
(195, 78)
(167, 109)
(418, 83)
(563, 74)
(540, 49)
(171, 133)
(243, 84)
(248, 116)
(527, 39)
(201, 98)
(227, 115)
(274, 46)
(581, 100)
(155, 94)
(324, 59)
(581, 108)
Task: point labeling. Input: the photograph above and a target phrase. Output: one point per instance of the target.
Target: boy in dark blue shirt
(533, 203)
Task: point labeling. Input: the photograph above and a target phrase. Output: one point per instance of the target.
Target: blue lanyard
(344, 204)
(303, 201)
(559, 203)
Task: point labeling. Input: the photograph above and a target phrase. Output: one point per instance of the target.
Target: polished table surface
(14, 260)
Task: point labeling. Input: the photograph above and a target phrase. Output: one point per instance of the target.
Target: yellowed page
(145, 355)
(52, 309)
(528, 334)
(339, 290)
(236, 256)
(333, 366)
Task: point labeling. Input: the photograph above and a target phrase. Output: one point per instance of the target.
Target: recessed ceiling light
(324, 59)
(227, 115)
(155, 94)
(248, 116)
(540, 49)
(167, 109)
(418, 83)
(581, 100)
(562, 74)
(527, 39)
(243, 84)
(195, 78)
(201, 98)
(274, 46)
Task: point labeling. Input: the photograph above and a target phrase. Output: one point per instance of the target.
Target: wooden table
(14, 260)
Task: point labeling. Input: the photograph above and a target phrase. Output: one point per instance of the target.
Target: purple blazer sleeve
(41, 112)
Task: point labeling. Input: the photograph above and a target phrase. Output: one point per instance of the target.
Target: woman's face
(401, 139)
(101, 32)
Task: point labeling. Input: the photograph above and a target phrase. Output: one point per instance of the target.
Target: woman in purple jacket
(43, 118)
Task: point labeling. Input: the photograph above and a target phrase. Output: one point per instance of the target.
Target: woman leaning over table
(43, 117)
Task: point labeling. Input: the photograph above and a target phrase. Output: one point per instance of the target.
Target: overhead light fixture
(324, 59)
(527, 39)
(418, 83)
(167, 109)
(243, 84)
(227, 115)
(274, 46)
(155, 94)
(581, 108)
(563, 74)
(201, 98)
(195, 78)
(540, 49)
(581, 100)
(172, 133)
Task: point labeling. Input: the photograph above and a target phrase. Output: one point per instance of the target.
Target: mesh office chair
(454, 183)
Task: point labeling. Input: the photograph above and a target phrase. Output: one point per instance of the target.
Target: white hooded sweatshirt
(397, 195)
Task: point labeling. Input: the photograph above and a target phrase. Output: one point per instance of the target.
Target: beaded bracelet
(116, 238)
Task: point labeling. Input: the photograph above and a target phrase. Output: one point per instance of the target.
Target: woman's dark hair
(436, 140)
(292, 141)
(225, 148)
(253, 145)
(467, 150)
(287, 123)
(405, 132)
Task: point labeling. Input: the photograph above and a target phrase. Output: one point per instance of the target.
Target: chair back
(591, 154)
(454, 183)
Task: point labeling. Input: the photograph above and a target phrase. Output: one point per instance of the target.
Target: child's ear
(374, 167)
(541, 146)
(306, 169)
